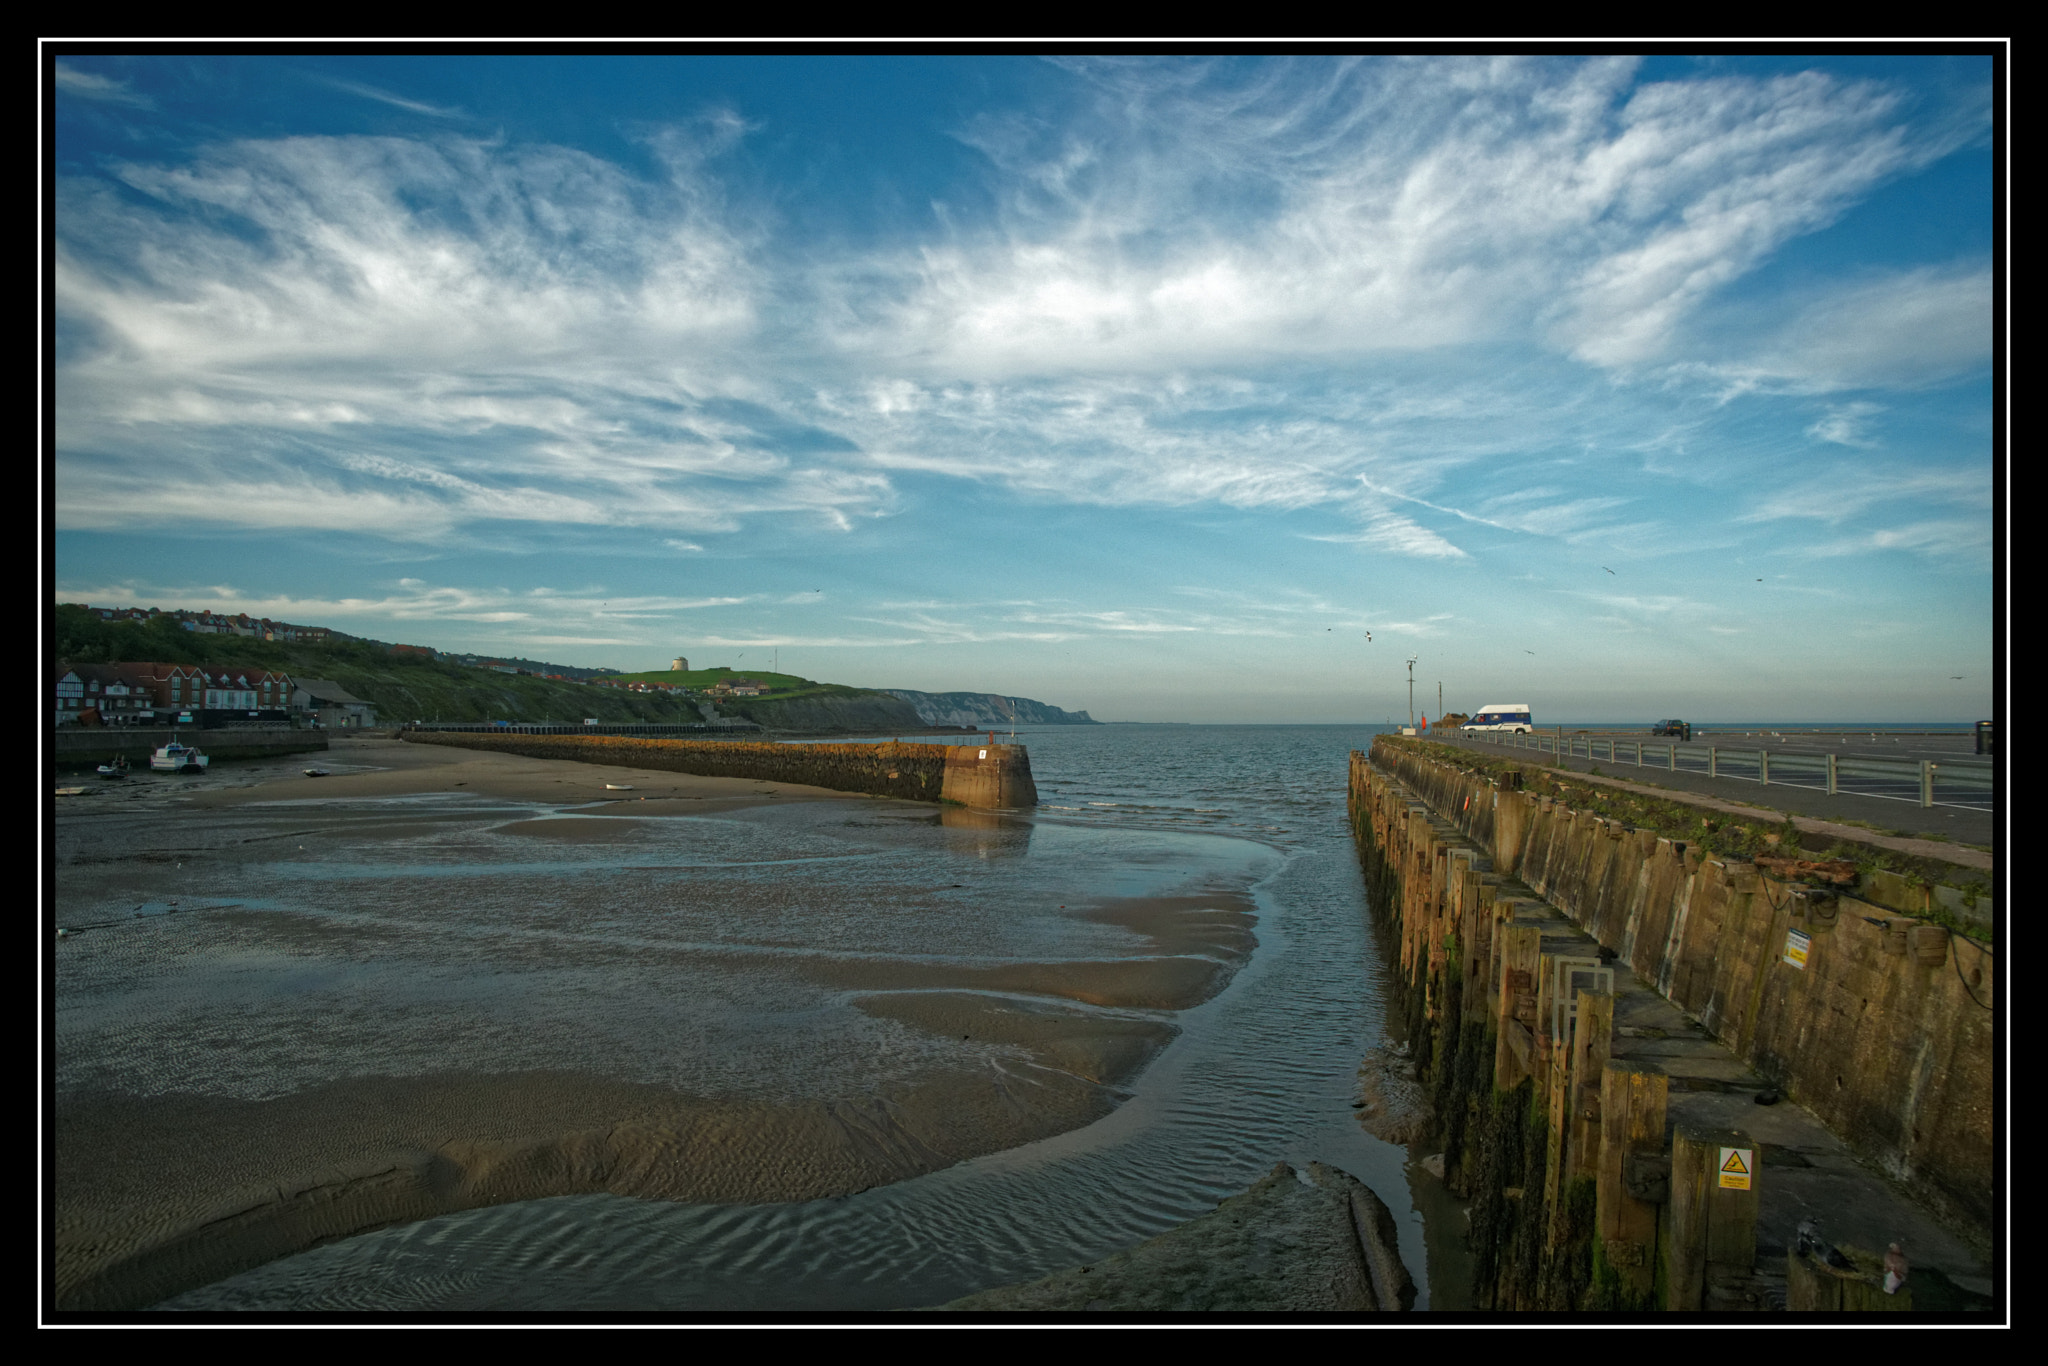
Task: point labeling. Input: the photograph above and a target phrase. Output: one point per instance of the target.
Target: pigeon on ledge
(1894, 1269)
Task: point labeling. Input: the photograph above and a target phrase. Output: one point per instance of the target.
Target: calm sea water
(1263, 1073)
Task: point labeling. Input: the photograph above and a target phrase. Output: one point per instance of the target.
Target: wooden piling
(1632, 1099)
(1711, 1234)
(1813, 1286)
(1515, 1050)
(1592, 1043)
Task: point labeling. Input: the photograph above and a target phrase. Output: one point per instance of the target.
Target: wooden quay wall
(1559, 1104)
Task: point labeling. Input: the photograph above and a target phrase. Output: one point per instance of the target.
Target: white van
(1512, 717)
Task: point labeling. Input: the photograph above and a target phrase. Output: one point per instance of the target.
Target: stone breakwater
(85, 746)
(971, 775)
(1569, 1113)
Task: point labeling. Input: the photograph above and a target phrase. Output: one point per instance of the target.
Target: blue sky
(1622, 387)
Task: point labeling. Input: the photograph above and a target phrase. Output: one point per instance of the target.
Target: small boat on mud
(177, 758)
(116, 767)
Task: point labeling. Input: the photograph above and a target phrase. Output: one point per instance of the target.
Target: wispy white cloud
(514, 617)
(1848, 491)
(1963, 538)
(1259, 286)
(371, 92)
(1899, 330)
(92, 86)
(1357, 207)
(1847, 424)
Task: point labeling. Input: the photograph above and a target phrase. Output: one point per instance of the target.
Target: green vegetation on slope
(704, 678)
(408, 687)
(403, 687)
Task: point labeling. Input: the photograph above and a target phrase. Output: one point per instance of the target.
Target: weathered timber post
(1544, 1061)
(1592, 1041)
(1711, 1247)
(1811, 1285)
(1515, 1052)
(1475, 933)
(1553, 1091)
(1632, 1177)
(1510, 824)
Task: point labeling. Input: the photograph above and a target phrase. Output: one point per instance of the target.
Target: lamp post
(1411, 692)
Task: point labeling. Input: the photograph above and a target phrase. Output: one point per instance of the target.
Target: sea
(1262, 1073)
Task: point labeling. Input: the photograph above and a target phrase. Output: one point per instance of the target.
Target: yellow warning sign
(1736, 1166)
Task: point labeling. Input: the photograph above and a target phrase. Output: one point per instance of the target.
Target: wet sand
(1318, 1241)
(454, 978)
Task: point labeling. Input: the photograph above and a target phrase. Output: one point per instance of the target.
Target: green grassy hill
(408, 687)
(404, 687)
(704, 678)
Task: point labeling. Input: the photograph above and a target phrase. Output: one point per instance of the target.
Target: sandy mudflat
(1325, 1244)
(467, 978)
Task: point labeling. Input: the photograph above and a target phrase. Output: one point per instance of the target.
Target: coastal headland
(298, 1008)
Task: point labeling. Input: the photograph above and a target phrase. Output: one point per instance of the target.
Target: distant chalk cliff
(985, 710)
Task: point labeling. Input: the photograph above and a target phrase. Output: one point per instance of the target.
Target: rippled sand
(454, 979)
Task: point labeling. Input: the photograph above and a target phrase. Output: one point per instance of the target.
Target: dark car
(1681, 729)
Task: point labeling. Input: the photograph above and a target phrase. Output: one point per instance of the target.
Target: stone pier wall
(972, 775)
(88, 746)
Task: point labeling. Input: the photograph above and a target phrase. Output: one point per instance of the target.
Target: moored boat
(177, 758)
(116, 767)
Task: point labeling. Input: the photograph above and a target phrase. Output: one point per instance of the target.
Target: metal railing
(1965, 783)
(644, 729)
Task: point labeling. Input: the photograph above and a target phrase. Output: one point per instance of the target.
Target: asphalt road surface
(1877, 776)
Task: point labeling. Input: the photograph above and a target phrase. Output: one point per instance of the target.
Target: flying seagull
(1610, 571)
(1528, 652)
(1368, 636)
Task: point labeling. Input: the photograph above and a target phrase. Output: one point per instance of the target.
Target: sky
(1625, 387)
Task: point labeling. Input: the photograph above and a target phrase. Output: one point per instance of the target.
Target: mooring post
(1711, 1246)
(1831, 775)
(1634, 1175)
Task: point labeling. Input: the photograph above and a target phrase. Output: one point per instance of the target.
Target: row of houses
(155, 694)
(725, 687)
(218, 623)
